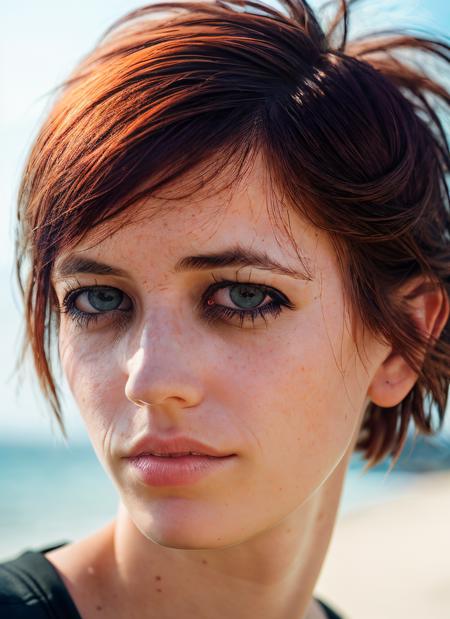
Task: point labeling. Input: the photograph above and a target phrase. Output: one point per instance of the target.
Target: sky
(40, 42)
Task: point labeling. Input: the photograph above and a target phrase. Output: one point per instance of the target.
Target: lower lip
(177, 471)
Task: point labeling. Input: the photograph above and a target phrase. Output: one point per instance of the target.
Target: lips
(158, 471)
(175, 447)
(175, 455)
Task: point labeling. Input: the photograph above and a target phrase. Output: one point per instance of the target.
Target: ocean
(52, 493)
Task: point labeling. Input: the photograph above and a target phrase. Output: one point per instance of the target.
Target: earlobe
(429, 307)
(393, 380)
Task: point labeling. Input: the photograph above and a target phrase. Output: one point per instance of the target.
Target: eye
(223, 301)
(246, 299)
(84, 305)
(101, 299)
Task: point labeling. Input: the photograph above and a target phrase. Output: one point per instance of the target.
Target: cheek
(95, 381)
(299, 395)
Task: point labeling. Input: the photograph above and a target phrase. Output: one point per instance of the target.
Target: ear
(394, 378)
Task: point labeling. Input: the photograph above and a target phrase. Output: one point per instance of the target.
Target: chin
(186, 524)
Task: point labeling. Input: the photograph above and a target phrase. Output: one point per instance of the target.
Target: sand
(392, 561)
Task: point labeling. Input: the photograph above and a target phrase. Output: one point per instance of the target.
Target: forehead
(247, 211)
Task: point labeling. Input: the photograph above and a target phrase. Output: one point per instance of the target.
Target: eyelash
(211, 313)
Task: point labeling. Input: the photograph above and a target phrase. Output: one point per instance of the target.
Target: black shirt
(31, 588)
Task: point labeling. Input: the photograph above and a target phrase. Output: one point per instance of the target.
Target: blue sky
(40, 42)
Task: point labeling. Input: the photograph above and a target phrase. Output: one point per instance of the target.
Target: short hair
(349, 132)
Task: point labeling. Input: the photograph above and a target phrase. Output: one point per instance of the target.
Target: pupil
(103, 299)
(247, 296)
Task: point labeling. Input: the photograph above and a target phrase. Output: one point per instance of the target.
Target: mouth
(180, 454)
(179, 468)
(175, 447)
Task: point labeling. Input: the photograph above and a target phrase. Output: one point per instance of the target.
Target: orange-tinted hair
(349, 132)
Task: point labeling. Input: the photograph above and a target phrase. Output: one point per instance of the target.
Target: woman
(237, 227)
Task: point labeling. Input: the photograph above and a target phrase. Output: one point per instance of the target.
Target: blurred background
(51, 491)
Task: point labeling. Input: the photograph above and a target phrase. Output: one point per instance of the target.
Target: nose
(161, 372)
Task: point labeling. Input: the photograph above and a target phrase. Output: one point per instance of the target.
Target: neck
(271, 576)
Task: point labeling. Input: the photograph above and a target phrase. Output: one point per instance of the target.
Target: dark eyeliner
(214, 312)
(211, 313)
(84, 319)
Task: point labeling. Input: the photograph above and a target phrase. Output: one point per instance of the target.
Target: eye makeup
(109, 303)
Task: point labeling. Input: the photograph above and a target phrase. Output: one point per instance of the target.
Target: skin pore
(285, 394)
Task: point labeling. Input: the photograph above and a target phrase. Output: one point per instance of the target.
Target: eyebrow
(238, 257)
(233, 257)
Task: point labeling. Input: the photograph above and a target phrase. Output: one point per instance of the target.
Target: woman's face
(143, 356)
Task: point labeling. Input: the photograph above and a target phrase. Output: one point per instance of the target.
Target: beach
(46, 487)
(389, 556)
(392, 560)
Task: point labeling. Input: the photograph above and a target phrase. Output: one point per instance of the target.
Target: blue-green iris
(247, 295)
(105, 299)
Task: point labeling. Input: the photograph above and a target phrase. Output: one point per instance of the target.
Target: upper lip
(176, 445)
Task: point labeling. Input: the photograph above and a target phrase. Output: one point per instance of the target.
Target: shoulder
(30, 588)
(326, 610)
(20, 595)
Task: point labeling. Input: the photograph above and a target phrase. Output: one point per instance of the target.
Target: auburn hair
(349, 131)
